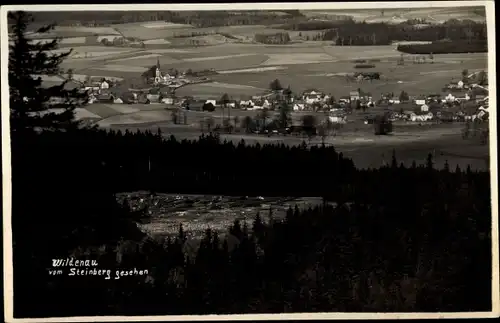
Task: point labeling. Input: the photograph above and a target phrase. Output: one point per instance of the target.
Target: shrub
(364, 66)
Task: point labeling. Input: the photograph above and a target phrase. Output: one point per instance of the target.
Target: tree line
(397, 238)
(444, 47)
(359, 34)
(276, 38)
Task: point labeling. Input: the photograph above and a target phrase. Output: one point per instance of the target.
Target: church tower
(158, 72)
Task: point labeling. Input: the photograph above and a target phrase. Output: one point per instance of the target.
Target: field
(196, 212)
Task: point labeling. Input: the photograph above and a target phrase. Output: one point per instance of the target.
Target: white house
(248, 103)
(419, 101)
(266, 104)
(338, 119)
(213, 102)
(298, 107)
(450, 97)
(460, 84)
(312, 93)
(311, 99)
(424, 108)
(168, 100)
(354, 95)
(104, 85)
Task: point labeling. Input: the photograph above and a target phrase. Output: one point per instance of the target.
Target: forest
(399, 238)
(452, 47)
(363, 34)
(200, 19)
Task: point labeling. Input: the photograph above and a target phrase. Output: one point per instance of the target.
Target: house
(424, 108)
(153, 98)
(312, 93)
(213, 102)
(449, 98)
(344, 99)
(104, 85)
(168, 100)
(195, 105)
(434, 97)
(354, 95)
(464, 97)
(142, 99)
(311, 99)
(105, 97)
(266, 104)
(298, 107)
(420, 101)
(460, 84)
(129, 97)
(246, 103)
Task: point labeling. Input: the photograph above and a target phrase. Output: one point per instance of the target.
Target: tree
(236, 121)
(288, 94)
(465, 72)
(309, 124)
(275, 85)
(247, 123)
(404, 97)
(284, 115)
(481, 78)
(29, 100)
(210, 123)
(224, 100)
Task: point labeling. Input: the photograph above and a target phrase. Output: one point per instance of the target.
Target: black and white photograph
(181, 160)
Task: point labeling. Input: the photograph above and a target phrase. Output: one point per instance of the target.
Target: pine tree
(446, 166)
(28, 63)
(394, 162)
(430, 163)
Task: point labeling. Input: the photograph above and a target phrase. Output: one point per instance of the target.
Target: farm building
(195, 105)
(153, 98)
(168, 100)
(212, 101)
(420, 101)
(129, 97)
(354, 95)
(312, 94)
(298, 107)
(105, 97)
(345, 99)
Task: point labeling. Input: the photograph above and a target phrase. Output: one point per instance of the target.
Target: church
(159, 77)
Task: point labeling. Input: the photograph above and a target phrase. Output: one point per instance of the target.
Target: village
(459, 101)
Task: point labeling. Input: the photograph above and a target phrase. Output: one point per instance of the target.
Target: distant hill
(430, 15)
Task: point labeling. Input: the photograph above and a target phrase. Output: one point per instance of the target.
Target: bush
(364, 66)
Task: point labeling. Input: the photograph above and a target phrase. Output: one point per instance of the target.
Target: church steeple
(157, 63)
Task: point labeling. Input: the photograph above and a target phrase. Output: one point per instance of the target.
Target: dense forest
(397, 238)
(385, 34)
(452, 47)
(198, 19)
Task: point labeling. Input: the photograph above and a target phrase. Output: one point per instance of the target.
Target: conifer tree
(29, 61)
